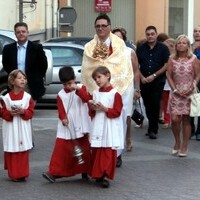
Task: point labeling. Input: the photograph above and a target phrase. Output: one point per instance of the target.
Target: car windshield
(4, 41)
(70, 40)
(63, 56)
(81, 42)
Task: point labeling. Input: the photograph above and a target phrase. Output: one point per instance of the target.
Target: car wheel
(3, 89)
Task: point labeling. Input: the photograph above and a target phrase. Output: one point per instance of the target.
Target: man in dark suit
(28, 57)
(152, 57)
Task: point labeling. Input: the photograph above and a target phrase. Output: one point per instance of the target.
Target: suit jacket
(35, 66)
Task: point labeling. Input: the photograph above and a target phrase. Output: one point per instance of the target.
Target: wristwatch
(154, 75)
(137, 90)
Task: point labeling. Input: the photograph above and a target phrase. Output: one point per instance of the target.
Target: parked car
(64, 54)
(7, 37)
(82, 41)
(70, 40)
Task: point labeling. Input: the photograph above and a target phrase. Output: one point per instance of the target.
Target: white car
(63, 55)
(6, 37)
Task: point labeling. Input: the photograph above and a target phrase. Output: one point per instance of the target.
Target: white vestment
(106, 132)
(17, 134)
(77, 114)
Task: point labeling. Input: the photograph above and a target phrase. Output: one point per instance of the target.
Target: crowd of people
(94, 117)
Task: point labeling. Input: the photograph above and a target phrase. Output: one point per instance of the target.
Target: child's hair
(140, 42)
(189, 51)
(162, 37)
(170, 42)
(101, 70)
(12, 76)
(66, 74)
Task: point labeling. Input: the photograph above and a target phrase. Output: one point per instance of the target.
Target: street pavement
(149, 172)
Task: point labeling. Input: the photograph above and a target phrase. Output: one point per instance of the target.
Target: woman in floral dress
(183, 75)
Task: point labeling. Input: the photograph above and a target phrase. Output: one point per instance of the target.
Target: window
(66, 56)
(178, 17)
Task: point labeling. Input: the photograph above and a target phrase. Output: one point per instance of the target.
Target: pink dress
(183, 76)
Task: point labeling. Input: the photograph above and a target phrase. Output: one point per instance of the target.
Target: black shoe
(105, 183)
(152, 135)
(147, 134)
(49, 177)
(22, 179)
(198, 137)
(119, 161)
(33, 146)
(19, 179)
(192, 133)
(99, 180)
(85, 177)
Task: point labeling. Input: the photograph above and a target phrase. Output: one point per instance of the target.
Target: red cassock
(17, 164)
(103, 162)
(63, 163)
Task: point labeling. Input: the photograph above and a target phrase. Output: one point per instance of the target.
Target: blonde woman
(182, 74)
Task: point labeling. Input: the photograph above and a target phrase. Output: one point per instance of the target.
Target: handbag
(138, 116)
(195, 103)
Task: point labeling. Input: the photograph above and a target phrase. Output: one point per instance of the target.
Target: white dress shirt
(21, 56)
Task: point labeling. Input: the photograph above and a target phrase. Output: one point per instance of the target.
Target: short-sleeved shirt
(197, 53)
(151, 60)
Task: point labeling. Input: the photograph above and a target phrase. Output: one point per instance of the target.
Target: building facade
(40, 15)
(174, 17)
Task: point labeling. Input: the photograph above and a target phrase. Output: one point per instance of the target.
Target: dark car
(70, 40)
(81, 41)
